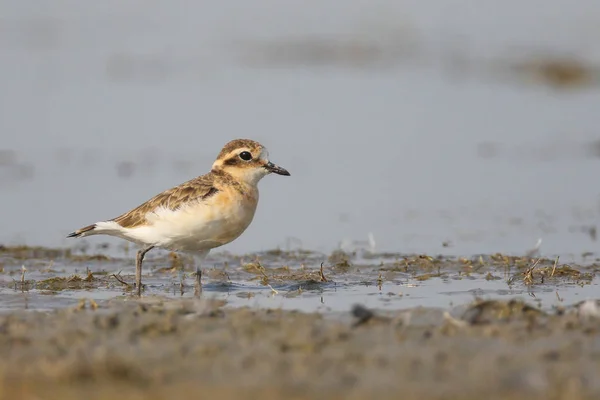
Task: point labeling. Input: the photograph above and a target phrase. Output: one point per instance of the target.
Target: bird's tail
(99, 228)
(85, 231)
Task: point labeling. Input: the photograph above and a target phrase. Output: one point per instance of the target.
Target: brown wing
(193, 190)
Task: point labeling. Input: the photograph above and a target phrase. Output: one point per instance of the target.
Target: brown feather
(239, 144)
(197, 189)
(81, 231)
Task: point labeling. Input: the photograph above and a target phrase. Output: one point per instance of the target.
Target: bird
(200, 214)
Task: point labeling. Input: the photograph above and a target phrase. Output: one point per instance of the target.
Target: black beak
(276, 169)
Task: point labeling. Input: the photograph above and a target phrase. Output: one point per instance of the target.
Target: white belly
(198, 227)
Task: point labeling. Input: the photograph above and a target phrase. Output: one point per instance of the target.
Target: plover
(203, 213)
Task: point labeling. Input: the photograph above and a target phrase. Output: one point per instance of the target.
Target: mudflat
(70, 328)
(163, 348)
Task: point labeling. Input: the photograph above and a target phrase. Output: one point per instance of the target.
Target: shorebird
(198, 215)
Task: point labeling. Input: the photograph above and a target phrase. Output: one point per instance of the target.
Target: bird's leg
(198, 286)
(198, 262)
(181, 274)
(138, 268)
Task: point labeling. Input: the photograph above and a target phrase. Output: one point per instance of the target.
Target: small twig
(535, 249)
(528, 274)
(262, 271)
(323, 279)
(117, 276)
(554, 268)
(23, 269)
(273, 291)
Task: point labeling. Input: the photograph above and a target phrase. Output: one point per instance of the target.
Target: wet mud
(70, 327)
(158, 348)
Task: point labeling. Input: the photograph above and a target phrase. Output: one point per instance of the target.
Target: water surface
(295, 281)
(441, 128)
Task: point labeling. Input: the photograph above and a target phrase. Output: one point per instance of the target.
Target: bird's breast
(206, 224)
(232, 214)
(225, 216)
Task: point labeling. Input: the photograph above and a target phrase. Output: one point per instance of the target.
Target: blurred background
(453, 126)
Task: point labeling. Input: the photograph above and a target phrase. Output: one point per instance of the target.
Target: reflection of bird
(201, 214)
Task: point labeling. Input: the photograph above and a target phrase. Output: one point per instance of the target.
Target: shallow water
(426, 124)
(292, 281)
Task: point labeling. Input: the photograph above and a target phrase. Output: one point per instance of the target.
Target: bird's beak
(269, 166)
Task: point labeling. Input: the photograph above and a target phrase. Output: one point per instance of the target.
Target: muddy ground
(161, 346)
(155, 349)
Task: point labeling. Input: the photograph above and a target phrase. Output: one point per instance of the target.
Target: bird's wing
(197, 189)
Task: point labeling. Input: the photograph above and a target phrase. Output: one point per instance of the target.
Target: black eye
(246, 156)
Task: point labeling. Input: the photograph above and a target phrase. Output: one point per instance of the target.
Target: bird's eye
(246, 156)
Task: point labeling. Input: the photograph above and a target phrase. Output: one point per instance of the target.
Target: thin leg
(198, 285)
(198, 261)
(182, 275)
(138, 268)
